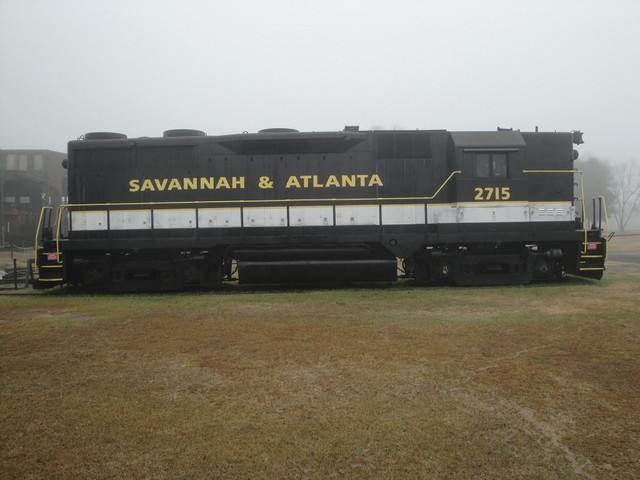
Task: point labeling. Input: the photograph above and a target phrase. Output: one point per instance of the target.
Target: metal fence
(14, 266)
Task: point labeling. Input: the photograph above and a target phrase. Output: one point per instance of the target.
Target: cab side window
(499, 165)
(491, 165)
(482, 165)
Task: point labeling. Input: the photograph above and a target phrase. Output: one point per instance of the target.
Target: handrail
(603, 203)
(36, 239)
(58, 227)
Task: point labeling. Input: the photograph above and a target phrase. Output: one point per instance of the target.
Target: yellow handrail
(58, 227)
(36, 242)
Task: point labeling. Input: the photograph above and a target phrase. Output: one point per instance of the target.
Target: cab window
(491, 165)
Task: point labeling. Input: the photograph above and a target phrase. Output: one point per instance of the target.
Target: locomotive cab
(515, 218)
(490, 166)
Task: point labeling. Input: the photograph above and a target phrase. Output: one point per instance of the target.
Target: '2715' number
(492, 193)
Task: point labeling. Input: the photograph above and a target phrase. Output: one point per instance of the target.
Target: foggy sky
(68, 67)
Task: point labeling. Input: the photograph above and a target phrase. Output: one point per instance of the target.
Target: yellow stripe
(590, 256)
(121, 211)
(200, 209)
(594, 268)
(408, 204)
(314, 206)
(169, 210)
(51, 279)
(358, 206)
(497, 203)
(551, 171)
(50, 266)
(94, 211)
(36, 241)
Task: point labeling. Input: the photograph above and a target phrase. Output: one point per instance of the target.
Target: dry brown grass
(508, 382)
(628, 243)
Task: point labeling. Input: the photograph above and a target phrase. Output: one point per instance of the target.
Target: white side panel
(552, 212)
(174, 218)
(89, 220)
(219, 218)
(403, 214)
(493, 213)
(442, 213)
(265, 217)
(500, 213)
(358, 215)
(322, 215)
(130, 219)
(311, 216)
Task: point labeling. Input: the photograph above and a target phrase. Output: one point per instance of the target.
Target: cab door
(490, 175)
(490, 186)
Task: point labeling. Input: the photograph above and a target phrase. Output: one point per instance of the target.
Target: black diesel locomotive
(280, 206)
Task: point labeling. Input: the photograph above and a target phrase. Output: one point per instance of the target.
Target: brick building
(29, 179)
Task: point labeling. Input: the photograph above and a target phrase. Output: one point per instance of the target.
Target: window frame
(491, 156)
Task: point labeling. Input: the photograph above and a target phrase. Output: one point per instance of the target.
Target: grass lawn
(538, 381)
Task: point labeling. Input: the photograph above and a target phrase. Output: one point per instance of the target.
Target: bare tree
(625, 186)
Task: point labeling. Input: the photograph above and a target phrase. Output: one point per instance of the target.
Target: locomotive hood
(488, 140)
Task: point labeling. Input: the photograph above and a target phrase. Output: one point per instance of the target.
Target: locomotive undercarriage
(487, 264)
(166, 270)
(173, 270)
(147, 270)
(440, 263)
